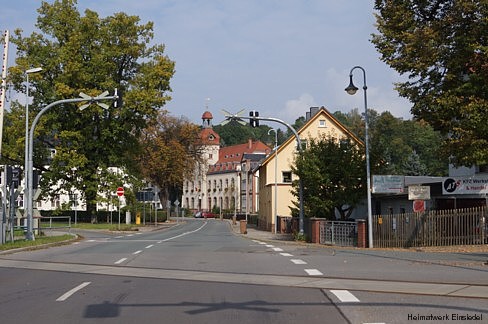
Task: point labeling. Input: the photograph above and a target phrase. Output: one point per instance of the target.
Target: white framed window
(322, 123)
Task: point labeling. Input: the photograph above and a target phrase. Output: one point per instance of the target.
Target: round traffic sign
(120, 191)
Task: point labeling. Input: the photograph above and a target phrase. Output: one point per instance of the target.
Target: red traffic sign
(120, 191)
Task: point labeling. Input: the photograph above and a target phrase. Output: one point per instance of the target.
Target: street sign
(418, 206)
(120, 191)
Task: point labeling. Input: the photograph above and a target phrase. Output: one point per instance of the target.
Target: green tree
(442, 47)
(234, 133)
(86, 53)
(392, 141)
(334, 177)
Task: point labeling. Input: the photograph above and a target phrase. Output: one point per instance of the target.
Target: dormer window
(211, 137)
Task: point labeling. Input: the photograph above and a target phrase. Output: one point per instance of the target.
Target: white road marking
(72, 291)
(138, 233)
(120, 236)
(298, 261)
(91, 241)
(345, 296)
(130, 235)
(186, 233)
(149, 246)
(120, 261)
(137, 252)
(286, 254)
(269, 245)
(159, 242)
(313, 272)
(278, 249)
(256, 241)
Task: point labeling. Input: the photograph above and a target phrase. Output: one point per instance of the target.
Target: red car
(208, 215)
(204, 214)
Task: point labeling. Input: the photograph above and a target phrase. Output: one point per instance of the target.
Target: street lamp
(352, 89)
(26, 160)
(276, 180)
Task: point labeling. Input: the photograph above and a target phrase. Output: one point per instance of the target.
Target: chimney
(313, 111)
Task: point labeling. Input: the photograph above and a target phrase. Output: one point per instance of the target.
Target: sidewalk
(256, 234)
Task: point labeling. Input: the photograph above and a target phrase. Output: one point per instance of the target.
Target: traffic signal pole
(254, 119)
(103, 96)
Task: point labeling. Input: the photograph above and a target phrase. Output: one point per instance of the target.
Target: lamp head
(351, 88)
(34, 70)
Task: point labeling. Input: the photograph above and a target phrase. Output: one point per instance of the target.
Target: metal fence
(338, 233)
(432, 228)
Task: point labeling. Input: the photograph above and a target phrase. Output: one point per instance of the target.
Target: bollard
(243, 224)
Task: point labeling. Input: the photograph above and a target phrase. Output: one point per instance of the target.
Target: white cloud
(295, 108)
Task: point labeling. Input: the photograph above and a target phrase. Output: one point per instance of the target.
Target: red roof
(231, 156)
(207, 115)
(209, 137)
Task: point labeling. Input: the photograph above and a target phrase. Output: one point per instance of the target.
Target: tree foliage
(394, 141)
(333, 176)
(234, 133)
(442, 46)
(90, 54)
(169, 153)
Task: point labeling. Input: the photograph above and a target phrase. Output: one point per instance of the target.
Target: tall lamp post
(276, 180)
(352, 89)
(26, 159)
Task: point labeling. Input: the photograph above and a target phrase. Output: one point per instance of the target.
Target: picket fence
(431, 228)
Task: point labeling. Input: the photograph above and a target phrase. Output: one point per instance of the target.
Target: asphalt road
(200, 272)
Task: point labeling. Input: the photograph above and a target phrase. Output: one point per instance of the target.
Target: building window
(322, 123)
(210, 155)
(286, 176)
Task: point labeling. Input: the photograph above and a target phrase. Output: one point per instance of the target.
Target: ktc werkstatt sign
(465, 185)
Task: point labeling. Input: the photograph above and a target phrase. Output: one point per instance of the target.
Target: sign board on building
(418, 193)
(477, 184)
(388, 184)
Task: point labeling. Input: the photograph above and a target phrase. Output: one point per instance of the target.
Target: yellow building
(318, 121)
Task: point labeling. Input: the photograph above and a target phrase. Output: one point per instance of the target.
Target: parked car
(204, 214)
(208, 215)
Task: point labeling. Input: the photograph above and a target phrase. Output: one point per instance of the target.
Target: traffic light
(253, 121)
(118, 101)
(13, 176)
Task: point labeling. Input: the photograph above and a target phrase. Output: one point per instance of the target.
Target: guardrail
(54, 222)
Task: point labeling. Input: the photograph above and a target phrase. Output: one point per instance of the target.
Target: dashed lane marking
(298, 261)
(137, 252)
(72, 291)
(345, 296)
(313, 272)
(286, 254)
(149, 246)
(278, 249)
(120, 261)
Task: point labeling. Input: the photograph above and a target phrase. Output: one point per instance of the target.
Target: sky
(279, 57)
